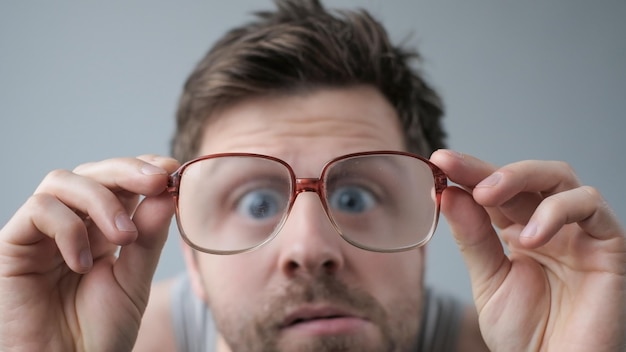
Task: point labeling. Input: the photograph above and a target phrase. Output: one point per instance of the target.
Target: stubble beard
(260, 331)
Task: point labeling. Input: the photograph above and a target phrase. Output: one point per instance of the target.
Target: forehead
(317, 125)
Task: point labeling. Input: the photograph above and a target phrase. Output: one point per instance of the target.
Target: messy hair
(299, 47)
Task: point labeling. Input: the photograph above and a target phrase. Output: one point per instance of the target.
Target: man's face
(308, 289)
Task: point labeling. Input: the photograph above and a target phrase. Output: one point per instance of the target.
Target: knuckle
(593, 192)
(565, 166)
(55, 180)
(40, 202)
(74, 224)
(44, 203)
(568, 171)
(595, 196)
(71, 223)
(52, 180)
(552, 204)
(80, 168)
(57, 174)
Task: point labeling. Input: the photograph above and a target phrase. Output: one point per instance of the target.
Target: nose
(309, 244)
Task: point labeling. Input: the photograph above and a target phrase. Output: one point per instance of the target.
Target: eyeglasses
(382, 201)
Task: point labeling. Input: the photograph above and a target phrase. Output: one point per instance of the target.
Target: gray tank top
(195, 330)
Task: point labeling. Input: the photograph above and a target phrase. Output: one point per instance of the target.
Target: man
(273, 101)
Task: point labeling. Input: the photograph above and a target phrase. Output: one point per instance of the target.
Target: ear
(193, 269)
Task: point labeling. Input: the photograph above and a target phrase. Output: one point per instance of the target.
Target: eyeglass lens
(377, 202)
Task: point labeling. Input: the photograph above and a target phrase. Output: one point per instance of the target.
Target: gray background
(88, 80)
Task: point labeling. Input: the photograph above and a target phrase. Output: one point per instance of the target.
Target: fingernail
(123, 223)
(149, 169)
(530, 230)
(85, 258)
(490, 181)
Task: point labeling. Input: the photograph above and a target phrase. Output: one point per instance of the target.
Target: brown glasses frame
(300, 185)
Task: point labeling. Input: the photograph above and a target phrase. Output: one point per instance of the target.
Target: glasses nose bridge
(308, 185)
(315, 185)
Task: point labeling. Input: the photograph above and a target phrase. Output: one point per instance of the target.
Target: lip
(323, 320)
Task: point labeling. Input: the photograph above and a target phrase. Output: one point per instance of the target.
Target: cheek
(391, 276)
(232, 281)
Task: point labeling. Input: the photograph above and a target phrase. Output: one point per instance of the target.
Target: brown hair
(302, 46)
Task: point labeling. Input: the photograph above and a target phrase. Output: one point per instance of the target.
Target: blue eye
(352, 199)
(261, 204)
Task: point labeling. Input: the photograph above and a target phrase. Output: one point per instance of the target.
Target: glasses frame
(300, 185)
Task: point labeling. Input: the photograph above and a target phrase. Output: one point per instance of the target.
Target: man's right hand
(63, 284)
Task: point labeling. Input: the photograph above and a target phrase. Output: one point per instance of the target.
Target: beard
(261, 330)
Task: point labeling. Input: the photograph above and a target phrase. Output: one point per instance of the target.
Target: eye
(352, 199)
(261, 204)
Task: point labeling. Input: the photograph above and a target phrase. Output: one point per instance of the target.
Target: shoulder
(449, 324)
(470, 337)
(156, 332)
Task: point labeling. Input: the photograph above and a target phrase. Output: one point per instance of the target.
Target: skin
(59, 276)
(561, 287)
(351, 120)
(308, 130)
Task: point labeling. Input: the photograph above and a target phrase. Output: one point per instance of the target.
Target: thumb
(478, 242)
(137, 261)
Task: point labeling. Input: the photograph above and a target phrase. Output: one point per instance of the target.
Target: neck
(221, 345)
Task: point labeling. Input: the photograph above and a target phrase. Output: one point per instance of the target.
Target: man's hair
(301, 47)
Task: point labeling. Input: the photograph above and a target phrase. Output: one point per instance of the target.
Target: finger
(467, 171)
(146, 175)
(479, 244)
(137, 262)
(463, 169)
(511, 193)
(514, 208)
(92, 198)
(130, 177)
(167, 163)
(518, 188)
(583, 205)
(543, 177)
(37, 225)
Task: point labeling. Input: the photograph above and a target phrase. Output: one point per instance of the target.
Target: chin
(327, 343)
